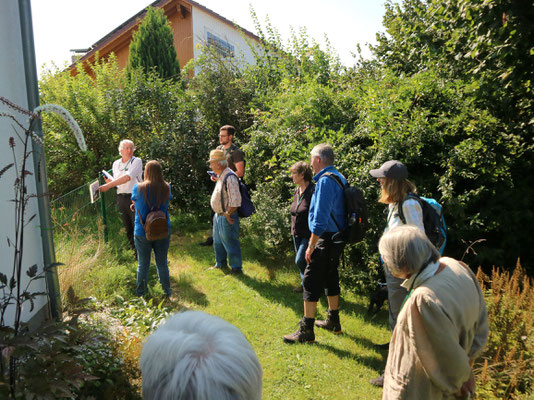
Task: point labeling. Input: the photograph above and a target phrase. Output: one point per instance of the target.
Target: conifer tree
(152, 46)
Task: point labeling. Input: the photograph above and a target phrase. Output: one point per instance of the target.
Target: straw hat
(217, 155)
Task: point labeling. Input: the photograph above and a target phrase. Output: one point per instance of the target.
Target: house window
(221, 46)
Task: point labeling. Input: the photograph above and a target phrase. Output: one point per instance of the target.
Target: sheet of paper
(94, 192)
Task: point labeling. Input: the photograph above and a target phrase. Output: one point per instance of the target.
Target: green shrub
(140, 315)
(269, 228)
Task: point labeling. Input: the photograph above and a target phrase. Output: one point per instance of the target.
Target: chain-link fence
(80, 227)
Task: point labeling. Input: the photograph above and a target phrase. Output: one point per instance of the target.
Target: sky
(62, 25)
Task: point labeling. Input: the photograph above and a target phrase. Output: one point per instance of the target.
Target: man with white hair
(225, 200)
(327, 216)
(127, 171)
(199, 356)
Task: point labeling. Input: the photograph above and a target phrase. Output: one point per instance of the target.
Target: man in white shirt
(127, 171)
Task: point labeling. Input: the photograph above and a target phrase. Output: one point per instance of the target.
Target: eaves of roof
(134, 20)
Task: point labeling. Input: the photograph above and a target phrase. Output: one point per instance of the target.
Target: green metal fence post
(103, 209)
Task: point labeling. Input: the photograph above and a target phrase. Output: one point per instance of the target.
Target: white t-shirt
(133, 167)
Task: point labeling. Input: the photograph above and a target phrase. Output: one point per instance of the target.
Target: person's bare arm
(115, 182)
(240, 168)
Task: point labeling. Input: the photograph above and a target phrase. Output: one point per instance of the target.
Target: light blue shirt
(328, 199)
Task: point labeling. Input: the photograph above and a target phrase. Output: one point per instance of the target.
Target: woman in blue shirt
(151, 194)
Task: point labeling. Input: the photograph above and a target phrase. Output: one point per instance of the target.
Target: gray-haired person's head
(126, 142)
(406, 249)
(325, 152)
(199, 356)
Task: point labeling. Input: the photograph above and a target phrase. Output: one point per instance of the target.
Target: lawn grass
(262, 305)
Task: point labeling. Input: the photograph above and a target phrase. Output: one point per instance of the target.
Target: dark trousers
(127, 216)
(321, 275)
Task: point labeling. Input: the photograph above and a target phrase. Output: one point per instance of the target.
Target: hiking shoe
(304, 334)
(377, 381)
(384, 346)
(207, 242)
(331, 323)
(298, 289)
(215, 267)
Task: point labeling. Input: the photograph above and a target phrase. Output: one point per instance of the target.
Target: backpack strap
(149, 205)
(337, 179)
(400, 203)
(140, 219)
(146, 199)
(225, 186)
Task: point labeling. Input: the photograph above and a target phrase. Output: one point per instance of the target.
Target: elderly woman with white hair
(197, 356)
(442, 326)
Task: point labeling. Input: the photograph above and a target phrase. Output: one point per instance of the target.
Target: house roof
(134, 20)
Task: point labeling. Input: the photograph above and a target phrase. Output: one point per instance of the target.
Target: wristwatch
(311, 246)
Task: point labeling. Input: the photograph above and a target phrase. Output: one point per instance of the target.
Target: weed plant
(508, 364)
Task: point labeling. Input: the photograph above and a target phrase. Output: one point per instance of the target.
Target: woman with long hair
(395, 188)
(150, 195)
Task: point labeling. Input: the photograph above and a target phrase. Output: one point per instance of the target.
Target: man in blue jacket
(327, 216)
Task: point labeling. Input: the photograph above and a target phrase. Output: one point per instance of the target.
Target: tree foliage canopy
(152, 46)
(457, 122)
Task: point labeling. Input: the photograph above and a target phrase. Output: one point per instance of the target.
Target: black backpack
(356, 211)
(433, 221)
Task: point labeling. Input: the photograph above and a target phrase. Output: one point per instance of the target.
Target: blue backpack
(435, 227)
(246, 209)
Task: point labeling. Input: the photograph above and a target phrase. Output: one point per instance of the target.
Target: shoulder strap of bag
(337, 179)
(140, 219)
(224, 184)
(146, 198)
(400, 203)
(149, 205)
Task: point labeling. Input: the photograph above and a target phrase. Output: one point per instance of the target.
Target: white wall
(204, 22)
(13, 87)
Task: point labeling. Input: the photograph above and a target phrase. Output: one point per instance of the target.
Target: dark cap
(391, 169)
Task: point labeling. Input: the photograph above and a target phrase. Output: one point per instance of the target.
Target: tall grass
(91, 267)
(507, 367)
(262, 305)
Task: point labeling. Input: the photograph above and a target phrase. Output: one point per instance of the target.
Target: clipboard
(94, 192)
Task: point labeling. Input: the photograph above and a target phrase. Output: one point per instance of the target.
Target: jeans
(396, 295)
(144, 250)
(226, 242)
(301, 244)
